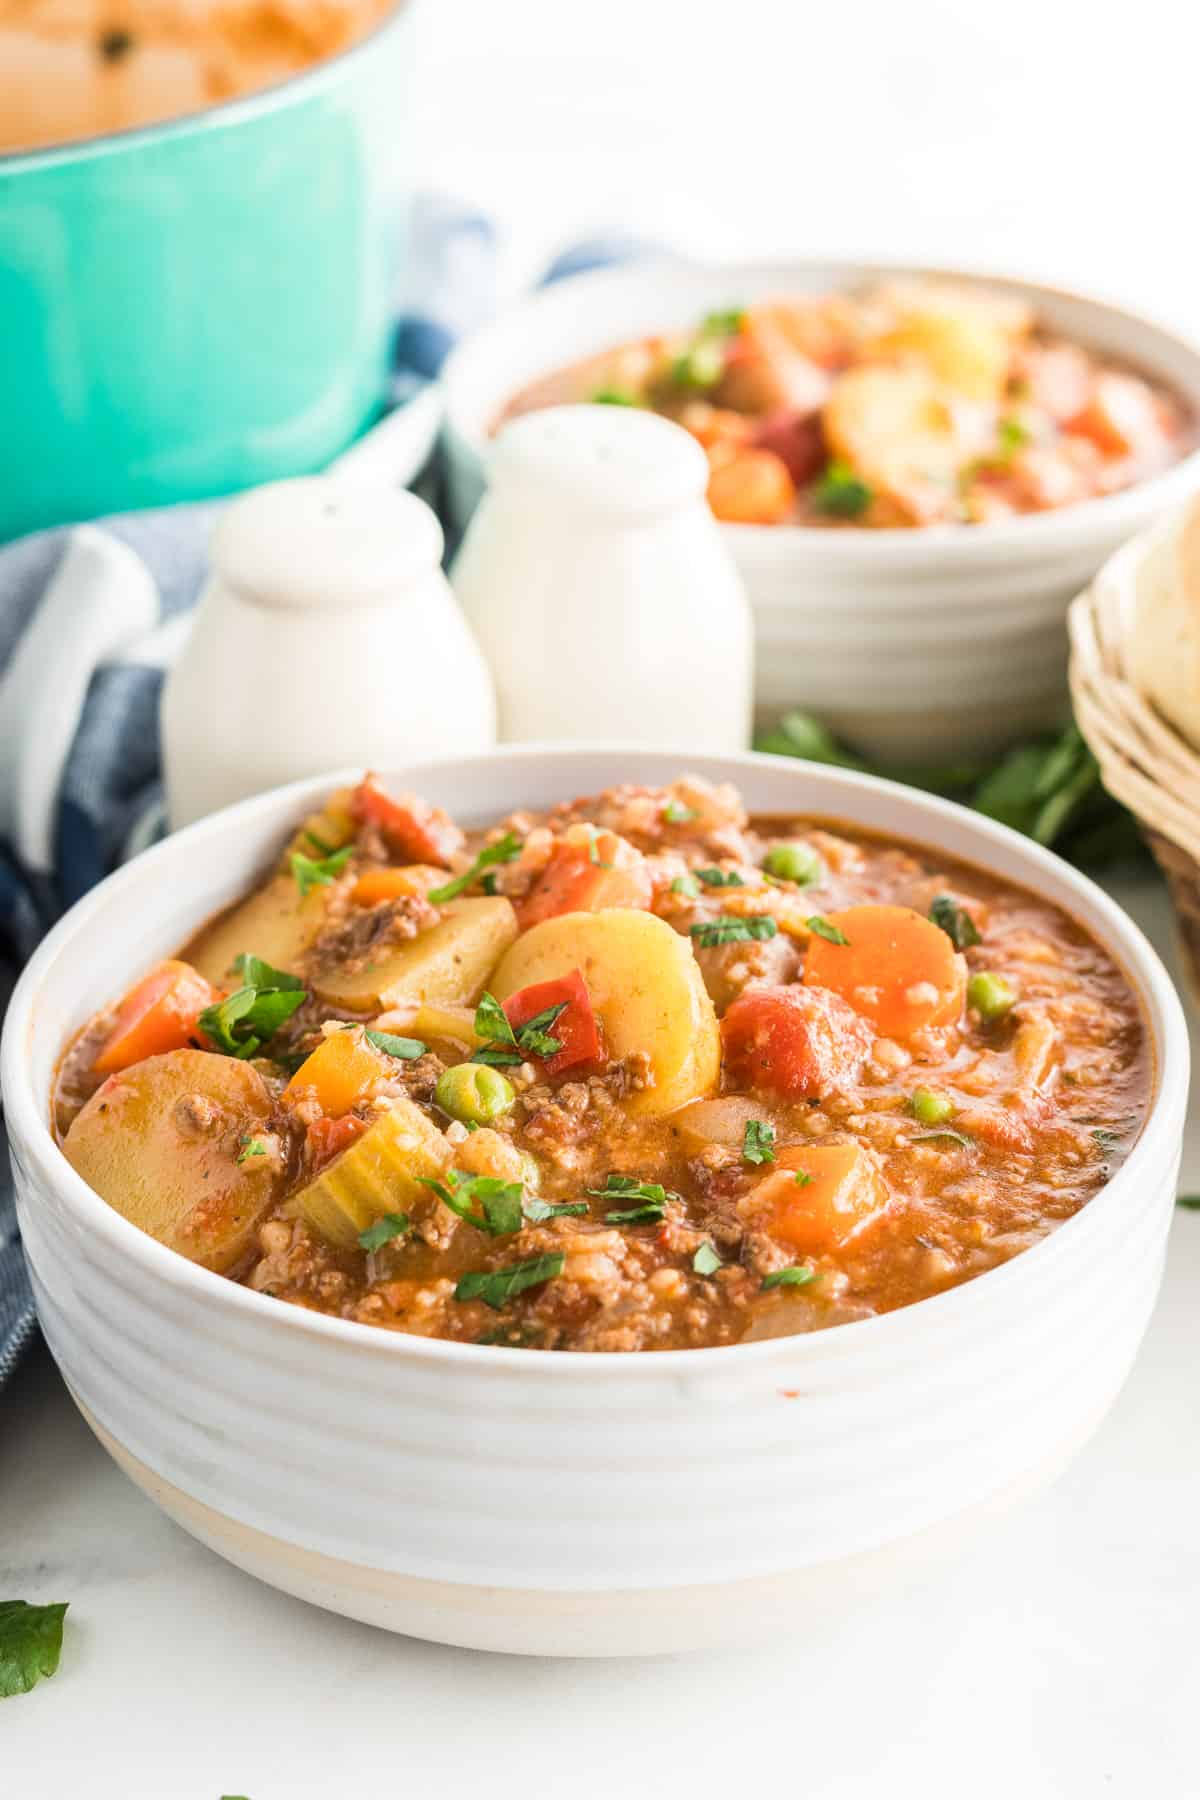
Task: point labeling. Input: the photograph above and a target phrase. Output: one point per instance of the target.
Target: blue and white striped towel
(79, 779)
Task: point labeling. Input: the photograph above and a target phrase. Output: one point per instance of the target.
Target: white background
(1058, 1660)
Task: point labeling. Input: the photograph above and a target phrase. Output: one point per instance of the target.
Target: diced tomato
(608, 872)
(375, 886)
(157, 1015)
(793, 1041)
(818, 1196)
(577, 1028)
(797, 440)
(414, 830)
(1121, 418)
(327, 1138)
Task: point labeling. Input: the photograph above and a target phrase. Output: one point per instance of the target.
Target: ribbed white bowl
(912, 644)
(570, 1503)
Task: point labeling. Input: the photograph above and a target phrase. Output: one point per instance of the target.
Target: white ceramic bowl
(571, 1503)
(911, 644)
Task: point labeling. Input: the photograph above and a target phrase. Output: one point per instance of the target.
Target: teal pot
(203, 304)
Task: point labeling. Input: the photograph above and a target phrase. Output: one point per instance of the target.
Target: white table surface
(1055, 1659)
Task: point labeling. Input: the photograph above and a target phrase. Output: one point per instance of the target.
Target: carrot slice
(377, 885)
(157, 1015)
(750, 487)
(341, 1071)
(818, 1196)
(896, 968)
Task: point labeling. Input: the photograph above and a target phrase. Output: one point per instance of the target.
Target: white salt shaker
(598, 586)
(327, 635)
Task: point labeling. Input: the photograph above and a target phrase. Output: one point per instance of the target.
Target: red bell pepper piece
(577, 1027)
(415, 831)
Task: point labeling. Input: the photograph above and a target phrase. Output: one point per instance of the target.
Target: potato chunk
(447, 965)
(276, 923)
(381, 1173)
(160, 1142)
(644, 983)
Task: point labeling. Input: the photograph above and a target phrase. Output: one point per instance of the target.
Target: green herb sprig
(391, 1225)
(30, 1644)
(484, 1201)
(955, 921)
(496, 1287)
(727, 930)
(311, 872)
(504, 850)
(758, 1141)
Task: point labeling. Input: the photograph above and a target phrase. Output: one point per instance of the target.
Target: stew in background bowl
(903, 403)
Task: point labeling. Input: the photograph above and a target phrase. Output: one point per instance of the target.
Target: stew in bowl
(898, 404)
(638, 1072)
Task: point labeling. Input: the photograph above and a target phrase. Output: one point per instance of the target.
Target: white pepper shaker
(597, 583)
(327, 635)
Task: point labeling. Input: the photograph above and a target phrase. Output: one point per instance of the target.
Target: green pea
(794, 862)
(990, 995)
(929, 1107)
(473, 1092)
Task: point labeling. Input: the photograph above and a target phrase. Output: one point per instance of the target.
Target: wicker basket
(1143, 761)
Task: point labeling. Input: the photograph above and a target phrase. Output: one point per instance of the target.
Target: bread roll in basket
(1135, 683)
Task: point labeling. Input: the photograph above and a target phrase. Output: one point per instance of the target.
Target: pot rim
(236, 111)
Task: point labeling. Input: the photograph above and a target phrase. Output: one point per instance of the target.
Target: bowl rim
(1104, 516)
(1121, 937)
(236, 111)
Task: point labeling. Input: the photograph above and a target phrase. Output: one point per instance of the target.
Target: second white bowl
(913, 645)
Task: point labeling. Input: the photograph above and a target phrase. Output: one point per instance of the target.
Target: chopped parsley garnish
(955, 921)
(1106, 1139)
(725, 323)
(503, 1046)
(651, 1198)
(311, 872)
(700, 367)
(536, 1210)
(482, 1200)
(30, 1644)
(496, 1287)
(1189, 1202)
(254, 972)
(706, 1261)
(676, 813)
(614, 396)
(392, 1225)
(841, 493)
(797, 1275)
(499, 1039)
(1011, 435)
(504, 850)
(726, 930)
(943, 1137)
(803, 1178)
(720, 878)
(243, 1022)
(686, 884)
(758, 1141)
(407, 1049)
(534, 1036)
(250, 1147)
(822, 927)
(116, 44)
